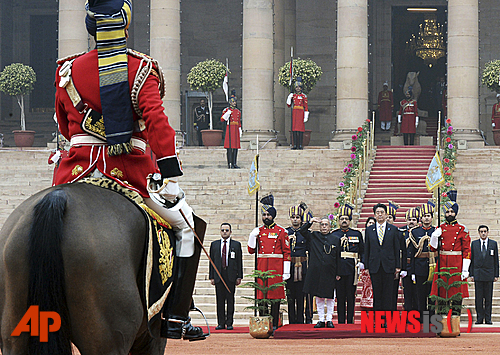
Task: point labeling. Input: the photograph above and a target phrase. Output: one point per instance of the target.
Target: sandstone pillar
(352, 68)
(73, 36)
(279, 60)
(463, 70)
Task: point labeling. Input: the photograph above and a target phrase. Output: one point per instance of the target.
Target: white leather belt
(280, 256)
(346, 254)
(451, 252)
(85, 139)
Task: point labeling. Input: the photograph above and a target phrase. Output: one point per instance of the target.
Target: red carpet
(236, 330)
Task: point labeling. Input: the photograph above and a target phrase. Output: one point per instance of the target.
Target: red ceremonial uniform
(495, 115)
(455, 240)
(299, 107)
(385, 105)
(408, 112)
(129, 170)
(234, 128)
(274, 250)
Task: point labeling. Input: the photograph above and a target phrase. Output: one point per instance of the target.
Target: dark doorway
(404, 25)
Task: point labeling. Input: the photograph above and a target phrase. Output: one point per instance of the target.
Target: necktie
(224, 255)
(483, 248)
(380, 234)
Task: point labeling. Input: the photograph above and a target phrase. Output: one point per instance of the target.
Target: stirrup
(205, 335)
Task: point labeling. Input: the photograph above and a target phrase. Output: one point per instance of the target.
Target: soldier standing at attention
(385, 107)
(408, 118)
(300, 114)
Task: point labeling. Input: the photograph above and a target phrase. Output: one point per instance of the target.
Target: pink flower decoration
(342, 192)
(349, 165)
(353, 149)
(336, 205)
(449, 133)
(354, 137)
(446, 168)
(353, 156)
(330, 217)
(446, 160)
(450, 146)
(447, 173)
(450, 128)
(444, 194)
(448, 184)
(341, 184)
(345, 170)
(448, 120)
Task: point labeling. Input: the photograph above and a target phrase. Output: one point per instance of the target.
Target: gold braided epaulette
(69, 57)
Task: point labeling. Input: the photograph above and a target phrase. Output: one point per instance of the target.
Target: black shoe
(236, 166)
(329, 324)
(320, 325)
(229, 327)
(309, 321)
(479, 322)
(177, 328)
(488, 322)
(220, 327)
(229, 166)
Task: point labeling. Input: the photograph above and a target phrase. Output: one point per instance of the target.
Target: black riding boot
(301, 138)
(294, 140)
(229, 154)
(235, 157)
(180, 301)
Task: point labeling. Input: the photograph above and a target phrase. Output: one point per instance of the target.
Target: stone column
(352, 68)
(73, 36)
(463, 70)
(290, 41)
(279, 60)
(165, 37)
(257, 70)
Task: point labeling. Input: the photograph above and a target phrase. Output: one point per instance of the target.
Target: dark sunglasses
(224, 230)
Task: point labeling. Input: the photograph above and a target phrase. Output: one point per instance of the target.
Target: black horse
(76, 249)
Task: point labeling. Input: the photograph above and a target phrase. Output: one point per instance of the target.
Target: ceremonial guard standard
(453, 249)
(324, 258)
(300, 114)
(422, 259)
(295, 284)
(272, 246)
(351, 259)
(232, 116)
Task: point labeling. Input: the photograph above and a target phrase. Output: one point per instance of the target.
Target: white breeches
(320, 305)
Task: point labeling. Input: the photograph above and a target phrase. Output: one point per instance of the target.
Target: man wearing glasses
(226, 255)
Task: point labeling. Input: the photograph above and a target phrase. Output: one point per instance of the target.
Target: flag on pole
(225, 84)
(291, 72)
(253, 181)
(435, 175)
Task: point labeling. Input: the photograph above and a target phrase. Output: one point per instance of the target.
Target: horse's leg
(146, 345)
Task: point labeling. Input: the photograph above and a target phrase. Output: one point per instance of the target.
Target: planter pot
(455, 327)
(305, 140)
(496, 136)
(211, 137)
(261, 327)
(24, 138)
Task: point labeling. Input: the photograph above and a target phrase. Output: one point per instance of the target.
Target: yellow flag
(435, 175)
(253, 181)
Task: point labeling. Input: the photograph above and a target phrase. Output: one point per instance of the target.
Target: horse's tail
(46, 271)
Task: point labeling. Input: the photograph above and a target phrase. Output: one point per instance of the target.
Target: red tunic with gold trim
(455, 239)
(385, 105)
(495, 115)
(233, 133)
(299, 107)
(408, 112)
(274, 249)
(129, 170)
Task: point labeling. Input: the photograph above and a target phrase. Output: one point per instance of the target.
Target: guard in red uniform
(495, 114)
(408, 118)
(232, 116)
(453, 248)
(300, 114)
(272, 245)
(385, 107)
(109, 105)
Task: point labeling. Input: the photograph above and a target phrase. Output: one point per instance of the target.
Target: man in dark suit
(484, 271)
(226, 255)
(382, 258)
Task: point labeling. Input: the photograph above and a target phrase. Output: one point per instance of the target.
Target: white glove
(361, 266)
(465, 268)
(240, 131)
(226, 116)
(493, 124)
(55, 158)
(306, 116)
(286, 270)
(399, 118)
(413, 278)
(289, 100)
(252, 239)
(434, 238)
(416, 122)
(403, 274)
(171, 191)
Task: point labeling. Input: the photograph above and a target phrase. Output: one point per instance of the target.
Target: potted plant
(207, 76)
(491, 79)
(261, 326)
(443, 305)
(18, 80)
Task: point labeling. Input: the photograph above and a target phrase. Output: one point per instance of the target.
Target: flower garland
(357, 154)
(449, 147)
(307, 69)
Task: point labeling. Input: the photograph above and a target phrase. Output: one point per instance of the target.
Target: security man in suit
(422, 259)
(484, 271)
(227, 257)
(298, 270)
(382, 258)
(351, 260)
